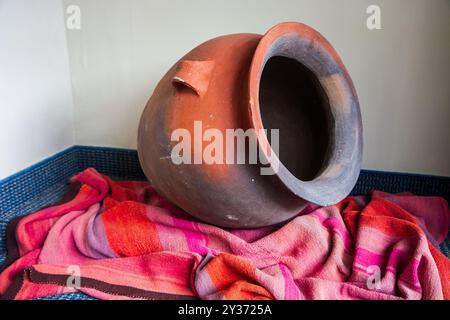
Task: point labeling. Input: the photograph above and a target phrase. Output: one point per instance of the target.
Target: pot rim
(344, 156)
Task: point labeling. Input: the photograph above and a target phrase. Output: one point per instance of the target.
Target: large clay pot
(291, 79)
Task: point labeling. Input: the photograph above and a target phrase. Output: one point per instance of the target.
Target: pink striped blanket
(121, 240)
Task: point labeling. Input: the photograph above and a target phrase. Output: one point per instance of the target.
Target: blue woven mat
(45, 183)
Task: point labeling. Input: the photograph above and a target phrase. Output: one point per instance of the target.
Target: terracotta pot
(290, 79)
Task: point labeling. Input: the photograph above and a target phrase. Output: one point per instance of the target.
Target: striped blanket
(121, 240)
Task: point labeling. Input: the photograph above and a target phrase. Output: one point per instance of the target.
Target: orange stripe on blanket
(235, 278)
(388, 218)
(129, 231)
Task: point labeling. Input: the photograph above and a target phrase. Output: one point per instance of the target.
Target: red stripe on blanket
(129, 231)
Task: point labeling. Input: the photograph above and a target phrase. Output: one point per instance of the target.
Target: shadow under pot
(248, 130)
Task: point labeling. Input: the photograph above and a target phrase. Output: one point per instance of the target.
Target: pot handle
(194, 75)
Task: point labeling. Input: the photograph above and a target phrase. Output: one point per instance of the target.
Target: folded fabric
(121, 240)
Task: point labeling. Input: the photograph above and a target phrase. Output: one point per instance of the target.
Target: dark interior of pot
(292, 100)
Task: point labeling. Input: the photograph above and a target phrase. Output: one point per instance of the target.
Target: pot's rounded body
(290, 79)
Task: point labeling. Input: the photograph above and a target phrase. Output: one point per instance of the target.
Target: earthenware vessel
(290, 79)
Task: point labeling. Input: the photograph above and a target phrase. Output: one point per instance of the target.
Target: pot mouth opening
(298, 84)
(292, 101)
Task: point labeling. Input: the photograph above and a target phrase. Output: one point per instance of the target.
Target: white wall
(401, 72)
(36, 108)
